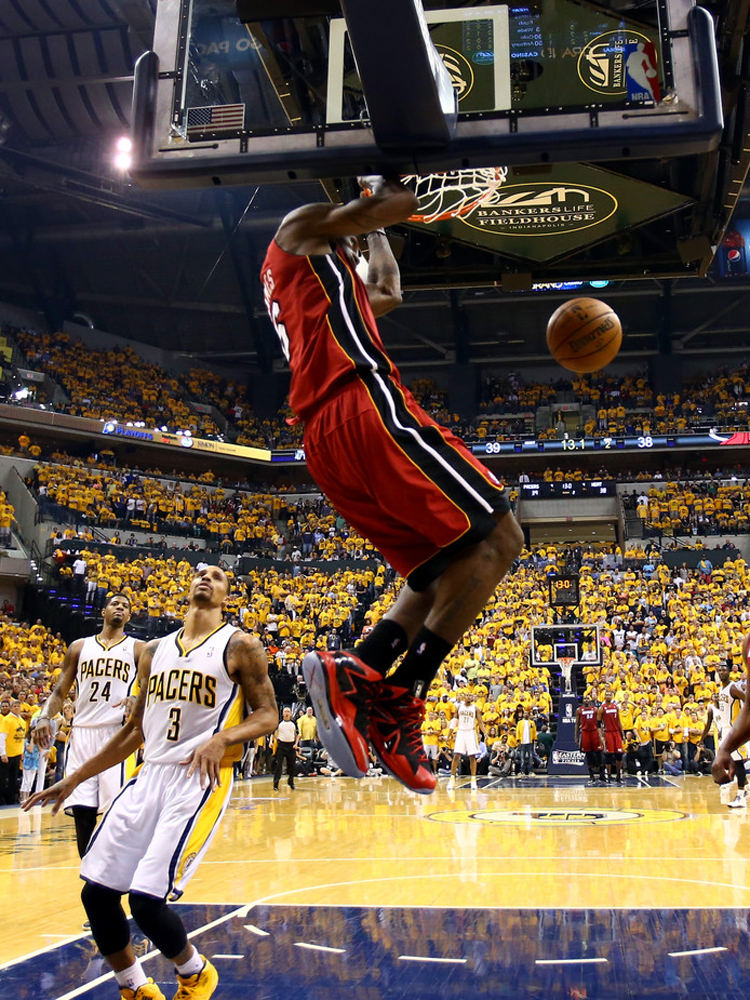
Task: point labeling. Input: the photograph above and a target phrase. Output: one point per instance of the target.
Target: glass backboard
(221, 101)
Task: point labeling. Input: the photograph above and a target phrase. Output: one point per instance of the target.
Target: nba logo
(568, 711)
(641, 74)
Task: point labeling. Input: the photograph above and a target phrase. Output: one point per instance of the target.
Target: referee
(286, 750)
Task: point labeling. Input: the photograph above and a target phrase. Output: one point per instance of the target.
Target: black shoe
(291, 786)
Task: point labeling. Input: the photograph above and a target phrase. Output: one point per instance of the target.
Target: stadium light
(123, 156)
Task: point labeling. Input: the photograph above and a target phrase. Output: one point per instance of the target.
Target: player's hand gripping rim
(206, 759)
(56, 794)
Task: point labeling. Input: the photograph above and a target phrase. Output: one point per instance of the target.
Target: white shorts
(155, 833)
(431, 752)
(466, 744)
(99, 791)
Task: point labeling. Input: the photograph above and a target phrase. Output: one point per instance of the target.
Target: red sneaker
(396, 736)
(342, 688)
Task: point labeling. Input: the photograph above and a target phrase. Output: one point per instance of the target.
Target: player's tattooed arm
(42, 734)
(247, 664)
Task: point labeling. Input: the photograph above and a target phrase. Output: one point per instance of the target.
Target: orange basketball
(584, 335)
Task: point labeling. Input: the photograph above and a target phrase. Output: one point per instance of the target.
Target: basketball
(584, 335)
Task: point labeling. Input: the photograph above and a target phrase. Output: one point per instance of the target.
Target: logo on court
(558, 817)
(540, 208)
(603, 63)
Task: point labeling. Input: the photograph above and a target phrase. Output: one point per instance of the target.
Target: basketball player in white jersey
(193, 688)
(104, 668)
(468, 721)
(731, 698)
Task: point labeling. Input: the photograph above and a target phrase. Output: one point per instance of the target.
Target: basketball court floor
(525, 888)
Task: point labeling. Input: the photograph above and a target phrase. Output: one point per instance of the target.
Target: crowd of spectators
(700, 507)
(115, 384)
(664, 632)
(119, 384)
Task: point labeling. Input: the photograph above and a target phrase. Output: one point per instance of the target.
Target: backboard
(579, 642)
(218, 101)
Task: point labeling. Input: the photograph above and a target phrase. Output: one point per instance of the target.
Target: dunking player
(731, 699)
(194, 684)
(436, 513)
(588, 737)
(609, 719)
(104, 667)
(468, 722)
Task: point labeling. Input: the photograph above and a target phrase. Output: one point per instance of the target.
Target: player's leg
(190, 821)
(197, 977)
(454, 767)
(84, 820)
(460, 594)
(291, 765)
(740, 799)
(618, 767)
(278, 764)
(109, 928)
(473, 770)
(601, 764)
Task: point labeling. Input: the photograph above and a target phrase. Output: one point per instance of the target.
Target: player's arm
(42, 732)
(578, 726)
(383, 276)
(128, 702)
(310, 229)
(124, 743)
(709, 723)
(737, 692)
(247, 663)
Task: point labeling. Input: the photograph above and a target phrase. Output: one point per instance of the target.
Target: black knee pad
(109, 925)
(158, 923)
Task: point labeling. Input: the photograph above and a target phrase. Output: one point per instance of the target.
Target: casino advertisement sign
(573, 205)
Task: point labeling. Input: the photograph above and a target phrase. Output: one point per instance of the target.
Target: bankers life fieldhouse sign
(575, 205)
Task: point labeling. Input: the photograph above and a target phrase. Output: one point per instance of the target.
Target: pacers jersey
(467, 716)
(588, 719)
(190, 697)
(321, 312)
(611, 718)
(727, 711)
(106, 675)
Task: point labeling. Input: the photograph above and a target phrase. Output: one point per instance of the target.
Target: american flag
(216, 118)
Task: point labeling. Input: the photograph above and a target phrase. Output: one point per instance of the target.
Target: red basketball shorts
(590, 742)
(613, 742)
(410, 486)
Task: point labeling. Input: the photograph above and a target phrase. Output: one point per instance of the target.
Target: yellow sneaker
(149, 991)
(200, 986)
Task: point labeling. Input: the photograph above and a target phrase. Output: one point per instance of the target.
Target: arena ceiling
(178, 269)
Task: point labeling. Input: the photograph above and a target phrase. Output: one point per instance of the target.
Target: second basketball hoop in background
(584, 335)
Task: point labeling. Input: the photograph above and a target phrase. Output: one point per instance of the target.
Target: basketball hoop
(566, 666)
(454, 193)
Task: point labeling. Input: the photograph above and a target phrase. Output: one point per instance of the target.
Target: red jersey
(321, 312)
(588, 719)
(611, 718)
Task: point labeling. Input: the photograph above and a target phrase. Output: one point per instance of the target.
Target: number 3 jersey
(105, 676)
(190, 696)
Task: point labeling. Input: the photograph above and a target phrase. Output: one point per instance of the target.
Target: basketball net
(454, 193)
(566, 666)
